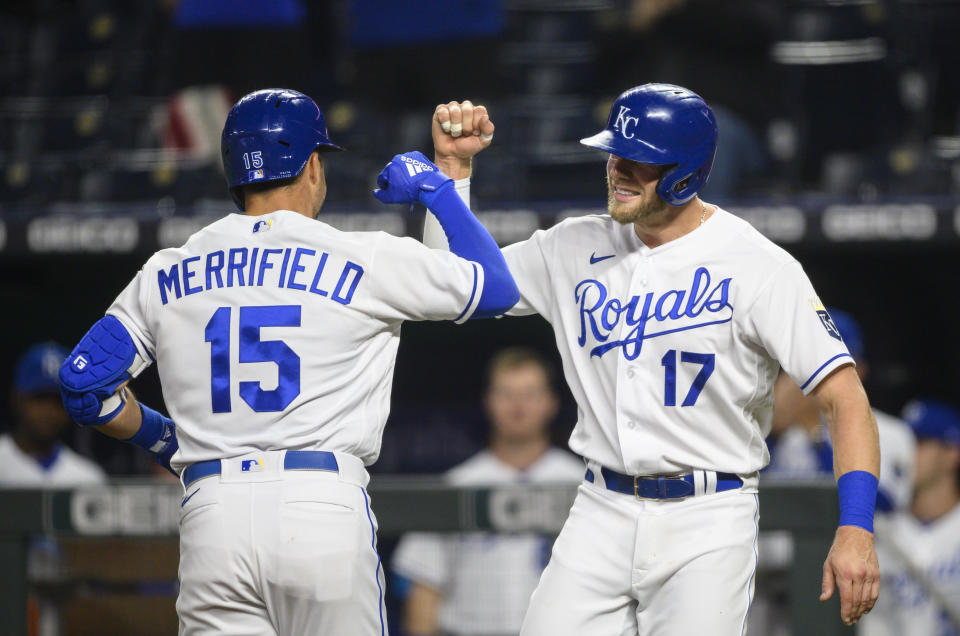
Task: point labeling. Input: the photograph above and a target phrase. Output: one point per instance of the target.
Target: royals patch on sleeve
(825, 318)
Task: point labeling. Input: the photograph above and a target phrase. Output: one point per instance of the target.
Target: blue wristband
(157, 436)
(858, 498)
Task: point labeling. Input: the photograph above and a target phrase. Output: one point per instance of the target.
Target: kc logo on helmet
(624, 121)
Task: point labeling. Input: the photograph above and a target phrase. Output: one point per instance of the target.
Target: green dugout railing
(808, 510)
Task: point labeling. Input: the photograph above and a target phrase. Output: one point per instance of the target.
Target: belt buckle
(661, 491)
(636, 486)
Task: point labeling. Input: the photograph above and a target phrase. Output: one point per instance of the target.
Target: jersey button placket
(626, 369)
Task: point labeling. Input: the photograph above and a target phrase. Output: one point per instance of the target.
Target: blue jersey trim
(373, 544)
(822, 367)
(473, 293)
(48, 461)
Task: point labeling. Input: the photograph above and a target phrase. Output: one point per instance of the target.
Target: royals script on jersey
(671, 352)
(281, 332)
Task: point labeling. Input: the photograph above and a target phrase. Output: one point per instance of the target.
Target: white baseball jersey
(64, 468)
(905, 606)
(486, 579)
(281, 332)
(672, 352)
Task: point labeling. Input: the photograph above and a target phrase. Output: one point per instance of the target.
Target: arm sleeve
(469, 239)
(130, 308)
(795, 328)
(421, 557)
(529, 269)
(413, 282)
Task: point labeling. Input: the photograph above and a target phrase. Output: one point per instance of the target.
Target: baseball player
(673, 319)
(275, 336)
(32, 454)
(479, 583)
(920, 547)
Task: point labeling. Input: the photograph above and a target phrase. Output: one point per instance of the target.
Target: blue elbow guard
(105, 358)
(858, 497)
(157, 436)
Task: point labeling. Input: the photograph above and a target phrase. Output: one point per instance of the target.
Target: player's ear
(312, 171)
(321, 174)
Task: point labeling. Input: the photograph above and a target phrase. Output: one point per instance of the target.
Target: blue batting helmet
(269, 135)
(663, 124)
(37, 369)
(931, 419)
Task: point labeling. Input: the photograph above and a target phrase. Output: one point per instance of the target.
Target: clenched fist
(460, 130)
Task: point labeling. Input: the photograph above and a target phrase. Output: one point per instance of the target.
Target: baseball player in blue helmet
(673, 318)
(275, 336)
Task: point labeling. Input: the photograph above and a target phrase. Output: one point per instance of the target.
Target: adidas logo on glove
(415, 167)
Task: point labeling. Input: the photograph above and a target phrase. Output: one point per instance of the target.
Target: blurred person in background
(33, 453)
(919, 548)
(480, 583)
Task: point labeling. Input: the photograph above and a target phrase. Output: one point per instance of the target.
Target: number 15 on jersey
(253, 349)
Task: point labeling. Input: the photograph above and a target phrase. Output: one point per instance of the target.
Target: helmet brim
(638, 150)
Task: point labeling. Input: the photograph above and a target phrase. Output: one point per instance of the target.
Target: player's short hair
(266, 186)
(516, 357)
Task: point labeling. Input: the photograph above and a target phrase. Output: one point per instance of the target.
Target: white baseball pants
(626, 567)
(275, 552)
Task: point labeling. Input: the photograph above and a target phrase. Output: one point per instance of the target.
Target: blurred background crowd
(114, 109)
(107, 101)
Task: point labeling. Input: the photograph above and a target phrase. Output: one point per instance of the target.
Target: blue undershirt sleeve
(468, 239)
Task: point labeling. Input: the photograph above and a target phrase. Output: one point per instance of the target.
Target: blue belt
(658, 486)
(294, 460)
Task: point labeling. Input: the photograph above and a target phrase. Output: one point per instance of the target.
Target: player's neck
(669, 225)
(937, 499)
(267, 203)
(519, 453)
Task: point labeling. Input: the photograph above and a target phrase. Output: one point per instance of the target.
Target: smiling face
(632, 190)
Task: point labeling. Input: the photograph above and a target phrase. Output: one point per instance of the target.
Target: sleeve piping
(829, 364)
(474, 295)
